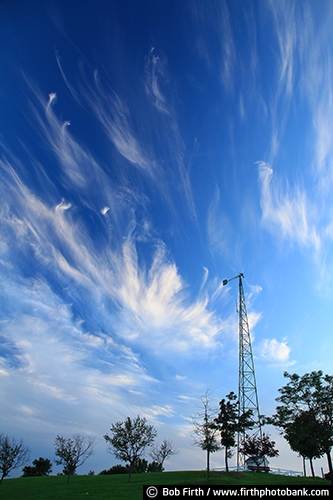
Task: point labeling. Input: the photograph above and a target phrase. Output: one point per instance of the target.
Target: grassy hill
(116, 486)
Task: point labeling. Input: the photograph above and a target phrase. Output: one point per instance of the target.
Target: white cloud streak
(286, 31)
(213, 24)
(286, 214)
(219, 228)
(152, 299)
(118, 116)
(154, 73)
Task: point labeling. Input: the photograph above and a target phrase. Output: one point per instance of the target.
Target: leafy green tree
(230, 422)
(304, 437)
(40, 467)
(307, 401)
(205, 432)
(28, 471)
(259, 446)
(129, 440)
(160, 453)
(72, 453)
(13, 454)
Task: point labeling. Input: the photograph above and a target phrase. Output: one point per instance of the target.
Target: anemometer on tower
(247, 387)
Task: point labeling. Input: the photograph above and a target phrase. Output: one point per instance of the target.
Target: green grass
(116, 486)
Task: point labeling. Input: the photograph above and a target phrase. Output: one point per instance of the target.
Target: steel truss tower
(247, 387)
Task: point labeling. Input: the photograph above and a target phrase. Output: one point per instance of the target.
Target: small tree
(129, 440)
(40, 467)
(205, 430)
(259, 446)
(160, 453)
(72, 453)
(229, 422)
(12, 455)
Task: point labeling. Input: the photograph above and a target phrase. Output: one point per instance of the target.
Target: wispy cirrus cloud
(219, 229)
(115, 117)
(112, 113)
(158, 90)
(316, 87)
(301, 214)
(293, 217)
(304, 70)
(287, 33)
(61, 372)
(75, 328)
(77, 168)
(155, 73)
(119, 113)
(285, 213)
(150, 296)
(215, 40)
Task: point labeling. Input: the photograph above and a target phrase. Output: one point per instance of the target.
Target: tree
(12, 455)
(160, 453)
(307, 400)
(154, 467)
(230, 422)
(72, 453)
(129, 440)
(205, 430)
(258, 447)
(41, 467)
(304, 437)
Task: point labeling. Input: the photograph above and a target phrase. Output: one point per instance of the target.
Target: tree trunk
(207, 464)
(304, 467)
(312, 469)
(130, 472)
(226, 460)
(68, 478)
(329, 462)
(2, 476)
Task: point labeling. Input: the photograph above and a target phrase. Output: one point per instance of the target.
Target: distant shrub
(141, 466)
(41, 467)
(155, 467)
(116, 469)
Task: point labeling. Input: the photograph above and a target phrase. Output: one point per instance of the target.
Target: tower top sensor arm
(240, 275)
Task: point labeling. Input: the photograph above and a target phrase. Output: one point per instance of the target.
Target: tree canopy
(129, 440)
(160, 453)
(72, 453)
(305, 414)
(205, 431)
(230, 422)
(258, 447)
(40, 467)
(13, 454)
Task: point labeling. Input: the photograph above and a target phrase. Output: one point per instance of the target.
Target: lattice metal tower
(247, 386)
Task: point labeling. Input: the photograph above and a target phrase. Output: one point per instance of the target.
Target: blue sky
(148, 151)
